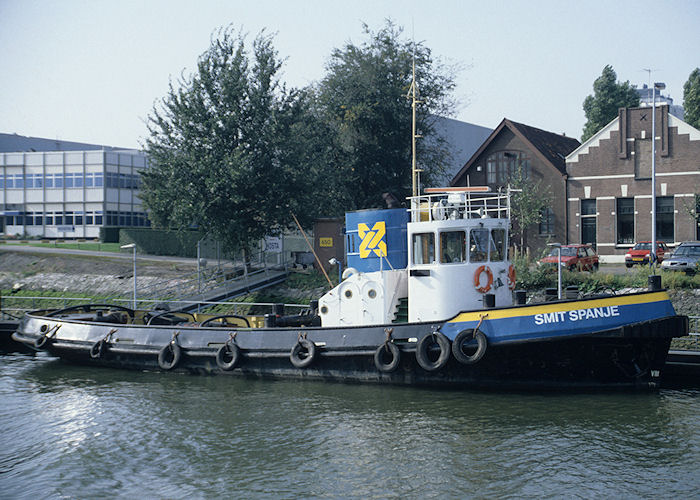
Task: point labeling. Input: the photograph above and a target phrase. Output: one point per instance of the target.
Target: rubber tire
(424, 346)
(176, 351)
(458, 343)
(628, 266)
(596, 266)
(98, 349)
(299, 347)
(379, 357)
(41, 341)
(228, 350)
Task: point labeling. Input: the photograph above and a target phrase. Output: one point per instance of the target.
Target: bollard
(654, 282)
(550, 294)
(521, 297)
(313, 306)
(270, 320)
(489, 300)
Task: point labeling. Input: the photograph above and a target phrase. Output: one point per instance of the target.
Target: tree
(364, 98)
(528, 202)
(608, 97)
(228, 146)
(691, 99)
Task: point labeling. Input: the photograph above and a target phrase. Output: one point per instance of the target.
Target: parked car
(573, 258)
(685, 258)
(639, 254)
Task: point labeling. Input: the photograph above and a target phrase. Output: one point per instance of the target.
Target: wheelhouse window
(547, 222)
(453, 246)
(423, 248)
(664, 219)
(625, 221)
(498, 245)
(478, 245)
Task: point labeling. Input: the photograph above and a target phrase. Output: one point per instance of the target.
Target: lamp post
(133, 247)
(558, 247)
(652, 253)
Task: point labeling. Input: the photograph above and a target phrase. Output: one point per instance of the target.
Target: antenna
(414, 94)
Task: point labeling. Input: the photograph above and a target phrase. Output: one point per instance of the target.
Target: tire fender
(426, 344)
(465, 336)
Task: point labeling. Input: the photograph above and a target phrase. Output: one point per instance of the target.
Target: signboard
(65, 229)
(273, 244)
(325, 242)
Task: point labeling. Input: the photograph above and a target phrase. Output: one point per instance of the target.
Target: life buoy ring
(169, 356)
(424, 350)
(462, 340)
(303, 353)
(477, 279)
(511, 278)
(387, 357)
(228, 356)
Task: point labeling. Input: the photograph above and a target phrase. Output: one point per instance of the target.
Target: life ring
(425, 346)
(303, 353)
(462, 340)
(98, 349)
(387, 357)
(477, 279)
(169, 356)
(228, 356)
(511, 278)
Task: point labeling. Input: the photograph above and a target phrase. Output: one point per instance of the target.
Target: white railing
(459, 203)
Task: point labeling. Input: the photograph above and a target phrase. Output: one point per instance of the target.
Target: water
(76, 432)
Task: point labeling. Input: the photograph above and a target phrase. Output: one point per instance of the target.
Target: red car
(573, 258)
(640, 253)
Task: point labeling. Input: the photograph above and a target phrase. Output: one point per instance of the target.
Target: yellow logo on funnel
(372, 240)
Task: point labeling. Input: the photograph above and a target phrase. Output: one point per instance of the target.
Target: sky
(91, 71)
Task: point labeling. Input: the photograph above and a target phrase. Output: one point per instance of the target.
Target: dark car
(639, 254)
(573, 258)
(685, 258)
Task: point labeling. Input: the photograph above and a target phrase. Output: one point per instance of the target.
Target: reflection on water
(79, 432)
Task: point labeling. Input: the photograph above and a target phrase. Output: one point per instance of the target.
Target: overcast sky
(90, 71)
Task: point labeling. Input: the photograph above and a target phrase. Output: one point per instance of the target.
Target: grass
(86, 245)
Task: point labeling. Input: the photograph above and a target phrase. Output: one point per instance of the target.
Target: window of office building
(664, 219)
(625, 221)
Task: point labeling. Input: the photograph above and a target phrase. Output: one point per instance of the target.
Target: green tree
(364, 98)
(608, 96)
(530, 199)
(691, 99)
(229, 146)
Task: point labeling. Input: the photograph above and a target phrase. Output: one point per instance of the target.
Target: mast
(413, 94)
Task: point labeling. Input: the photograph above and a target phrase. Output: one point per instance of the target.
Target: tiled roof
(553, 147)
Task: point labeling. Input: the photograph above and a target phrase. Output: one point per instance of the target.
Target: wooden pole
(330, 283)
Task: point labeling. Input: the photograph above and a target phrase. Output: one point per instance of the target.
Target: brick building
(609, 182)
(541, 155)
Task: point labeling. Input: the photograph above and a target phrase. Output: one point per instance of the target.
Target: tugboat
(427, 300)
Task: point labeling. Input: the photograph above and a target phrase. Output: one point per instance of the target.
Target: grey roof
(463, 139)
(13, 143)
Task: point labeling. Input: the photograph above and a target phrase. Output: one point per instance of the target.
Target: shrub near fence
(162, 242)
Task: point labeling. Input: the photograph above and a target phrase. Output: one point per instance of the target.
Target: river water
(77, 432)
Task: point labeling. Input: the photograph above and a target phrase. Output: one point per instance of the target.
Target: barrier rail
(35, 303)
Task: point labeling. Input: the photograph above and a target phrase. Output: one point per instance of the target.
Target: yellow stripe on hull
(514, 312)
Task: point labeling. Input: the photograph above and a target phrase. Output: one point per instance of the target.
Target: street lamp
(652, 254)
(558, 247)
(133, 247)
